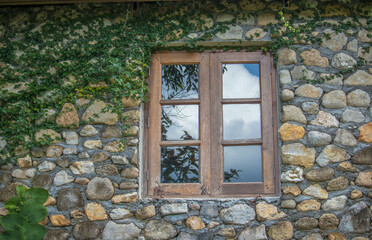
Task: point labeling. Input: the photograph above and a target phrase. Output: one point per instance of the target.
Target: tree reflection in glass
(180, 164)
(180, 81)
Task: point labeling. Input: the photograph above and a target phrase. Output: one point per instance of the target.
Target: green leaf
(12, 235)
(13, 203)
(21, 190)
(12, 221)
(34, 212)
(36, 195)
(33, 231)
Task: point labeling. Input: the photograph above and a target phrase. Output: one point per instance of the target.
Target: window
(211, 125)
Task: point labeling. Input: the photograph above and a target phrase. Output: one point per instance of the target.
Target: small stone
(343, 61)
(294, 175)
(95, 212)
(335, 204)
(146, 212)
(114, 231)
(290, 132)
(130, 173)
(365, 133)
(125, 198)
(332, 79)
(335, 99)
(355, 194)
(194, 207)
(115, 146)
(255, 34)
(313, 58)
(302, 73)
(359, 78)
(287, 95)
(212, 225)
(63, 162)
(31, 172)
(70, 151)
(97, 114)
(318, 139)
(71, 138)
(9, 191)
(82, 167)
(112, 132)
(288, 204)
(285, 77)
(356, 219)
(293, 113)
(131, 131)
(266, 211)
(45, 134)
(100, 189)
(316, 191)
(265, 19)
(62, 178)
(253, 233)
(69, 198)
(364, 179)
(338, 183)
(83, 155)
(100, 157)
(336, 42)
(130, 102)
(37, 152)
(250, 5)
(364, 35)
(325, 119)
(24, 162)
(310, 107)
(77, 214)
(86, 230)
(332, 154)
(286, 56)
(68, 116)
(50, 201)
(93, 144)
(46, 166)
(313, 236)
(365, 54)
(82, 181)
(134, 159)
(232, 33)
(320, 174)
(353, 45)
(19, 173)
(344, 137)
(209, 209)
(159, 229)
(195, 223)
(306, 223)
(281, 231)
(238, 214)
(346, 167)
(350, 115)
(336, 236)
(328, 221)
(358, 98)
(308, 205)
(120, 213)
(5, 179)
(107, 170)
(128, 185)
(227, 232)
(174, 208)
(297, 154)
(363, 157)
(293, 190)
(59, 220)
(88, 131)
(309, 91)
(119, 160)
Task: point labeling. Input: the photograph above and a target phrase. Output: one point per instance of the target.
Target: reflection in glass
(241, 121)
(242, 164)
(179, 122)
(180, 81)
(241, 80)
(180, 164)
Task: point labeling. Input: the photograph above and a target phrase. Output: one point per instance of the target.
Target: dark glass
(180, 164)
(180, 81)
(242, 164)
(241, 80)
(241, 121)
(179, 122)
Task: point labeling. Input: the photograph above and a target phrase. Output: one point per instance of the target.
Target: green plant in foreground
(25, 211)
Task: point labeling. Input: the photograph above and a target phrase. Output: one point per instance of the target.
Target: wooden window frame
(210, 127)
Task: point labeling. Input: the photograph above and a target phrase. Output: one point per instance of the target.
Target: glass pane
(241, 80)
(179, 122)
(242, 164)
(180, 81)
(180, 164)
(241, 121)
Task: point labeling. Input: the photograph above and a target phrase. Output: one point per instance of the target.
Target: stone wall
(325, 148)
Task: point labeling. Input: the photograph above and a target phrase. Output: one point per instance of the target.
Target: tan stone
(93, 144)
(131, 173)
(265, 211)
(309, 91)
(336, 236)
(112, 132)
(317, 191)
(293, 190)
(293, 113)
(195, 223)
(233, 32)
(59, 220)
(287, 95)
(264, 19)
(212, 225)
(131, 131)
(14, 87)
(54, 151)
(68, 116)
(115, 146)
(346, 167)
(255, 34)
(332, 154)
(77, 214)
(365, 54)
(365, 133)
(364, 179)
(82, 167)
(97, 114)
(363, 35)
(95, 211)
(129, 102)
(281, 231)
(252, 5)
(82, 181)
(336, 42)
(308, 205)
(328, 221)
(291, 132)
(336, 184)
(307, 14)
(286, 56)
(325, 119)
(334, 99)
(45, 221)
(100, 157)
(88, 131)
(313, 58)
(46, 134)
(331, 79)
(332, 10)
(125, 198)
(131, 117)
(24, 162)
(51, 201)
(359, 78)
(297, 154)
(355, 194)
(146, 212)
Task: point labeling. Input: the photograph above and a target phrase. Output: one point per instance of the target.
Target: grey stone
(62, 178)
(357, 219)
(120, 213)
(320, 174)
(159, 230)
(310, 107)
(363, 35)
(363, 157)
(350, 115)
(232, 33)
(83, 155)
(318, 139)
(335, 99)
(63, 162)
(88, 131)
(358, 98)
(187, 236)
(107, 170)
(46, 166)
(253, 233)
(71, 138)
(344, 137)
(86, 230)
(5, 179)
(2, 143)
(43, 181)
(69, 198)
(100, 189)
(119, 160)
(285, 77)
(353, 45)
(288, 204)
(335, 204)
(99, 157)
(113, 231)
(313, 236)
(343, 61)
(306, 223)
(302, 73)
(209, 210)
(173, 208)
(112, 132)
(19, 173)
(70, 151)
(359, 78)
(336, 42)
(238, 214)
(56, 234)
